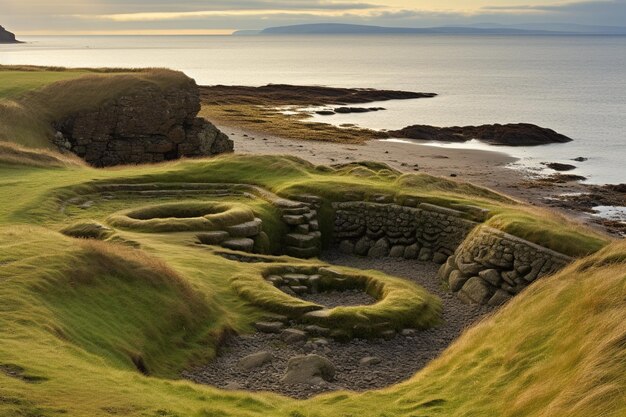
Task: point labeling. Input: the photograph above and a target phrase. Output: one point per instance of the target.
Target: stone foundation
(426, 232)
(492, 266)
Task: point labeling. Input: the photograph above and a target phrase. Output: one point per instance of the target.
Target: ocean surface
(573, 84)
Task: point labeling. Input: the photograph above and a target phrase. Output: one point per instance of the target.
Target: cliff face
(6, 36)
(148, 125)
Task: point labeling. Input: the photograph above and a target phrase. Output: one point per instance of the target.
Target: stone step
(311, 215)
(295, 210)
(294, 220)
(302, 252)
(303, 229)
(303, 241)
(243, 244)
(288, 204)
(212, 238)
(248, 229)
(307, 198)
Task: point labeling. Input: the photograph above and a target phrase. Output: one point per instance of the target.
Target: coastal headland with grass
(174, 250)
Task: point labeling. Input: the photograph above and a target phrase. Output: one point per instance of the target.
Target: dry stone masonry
(304, 239)
(492, 266)
(426, 232)
(148, 125)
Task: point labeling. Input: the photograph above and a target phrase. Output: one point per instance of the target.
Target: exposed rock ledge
(7, 37)
(151, 124)
(517, 134)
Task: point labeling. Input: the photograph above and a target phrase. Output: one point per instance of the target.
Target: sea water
(573, 84)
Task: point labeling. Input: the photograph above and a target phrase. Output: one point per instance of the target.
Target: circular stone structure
(399, 304)
(187, 217)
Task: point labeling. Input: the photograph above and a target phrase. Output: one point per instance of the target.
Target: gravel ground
(339, 298)
(399, 358)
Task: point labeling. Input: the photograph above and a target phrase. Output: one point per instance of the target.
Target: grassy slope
(66, 328)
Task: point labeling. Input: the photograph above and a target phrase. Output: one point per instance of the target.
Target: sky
(35, 17)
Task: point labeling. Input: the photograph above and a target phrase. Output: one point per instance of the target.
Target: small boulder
(412, 251)
(310, 369)
(456, 280)
(269, 326)
(492, 276)
(559, 167)
(293, 336)
(397, 251)
(440, 258)
(380, 249)
(346, 247)
(471, 268)
(499, 298)
(233, 386)
(408, 332)
(425, 255)
(300, 289)
(255, 360)
(316, 330)
(475, 290)
(370, 361)
(362, 246)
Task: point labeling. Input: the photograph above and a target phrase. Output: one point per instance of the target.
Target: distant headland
(7, 37)
(486, 29)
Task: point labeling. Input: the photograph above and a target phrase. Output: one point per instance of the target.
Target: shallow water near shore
(573, 84)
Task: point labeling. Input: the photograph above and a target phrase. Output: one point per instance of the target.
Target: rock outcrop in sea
(514, 134)
(6, 36)
(150, 124)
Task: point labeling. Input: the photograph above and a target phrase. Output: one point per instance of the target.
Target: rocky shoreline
(285, 94)
(513, 134)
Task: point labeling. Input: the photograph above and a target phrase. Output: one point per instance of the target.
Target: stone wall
(492, 266)
(150, 124)
(425, 232)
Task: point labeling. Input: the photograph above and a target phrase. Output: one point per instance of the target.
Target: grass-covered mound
(32, 98)
(183, 217)
(400, 303)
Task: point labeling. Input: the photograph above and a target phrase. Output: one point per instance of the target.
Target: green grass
(15, 83)
(94, 329)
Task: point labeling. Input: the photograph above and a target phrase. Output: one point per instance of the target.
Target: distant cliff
(7, 37)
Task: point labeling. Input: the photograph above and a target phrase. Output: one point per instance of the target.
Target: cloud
(186, 15)
(591, 7)
(266, 13)
(600, 12)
